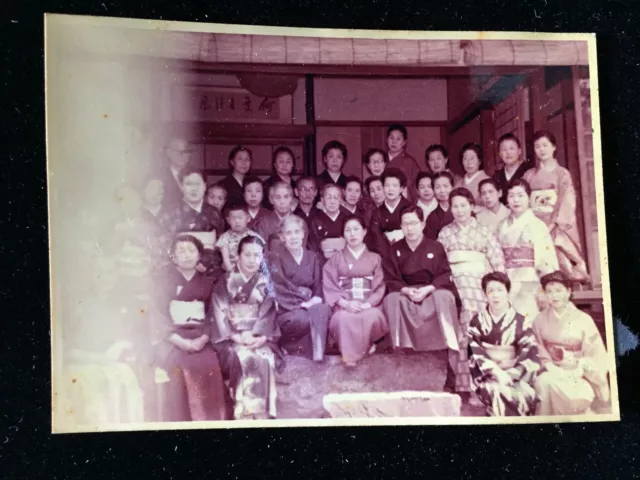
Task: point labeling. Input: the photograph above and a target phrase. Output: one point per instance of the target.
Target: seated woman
(421, 305)
(353, 285)
(296, 274)
(574, 359)
(245, 333)
(196, 389)
(503, 353)
(101, 340)
(325, 234)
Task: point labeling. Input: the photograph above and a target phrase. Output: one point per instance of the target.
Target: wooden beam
(537, 99)
(376, 123)
(488, 142)
(310, 139)
(201, 132)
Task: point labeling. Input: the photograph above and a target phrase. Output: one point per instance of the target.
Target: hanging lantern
(268, 84)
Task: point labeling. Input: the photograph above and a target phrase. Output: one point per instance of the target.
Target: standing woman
(471, 159)
(376, 161)
(353, 285)
(514, 167)
(437, 158)
(473, 251)
(528, 250)
(195, 390)
(399, 158)
(334, 155)
(245, 333)
(240, 159)
(283, 164)
(296, 273)
(553, 200)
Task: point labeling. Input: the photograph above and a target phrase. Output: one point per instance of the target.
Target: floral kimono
(244, 304)
(529, 254)
(508, 345)
(553, 200)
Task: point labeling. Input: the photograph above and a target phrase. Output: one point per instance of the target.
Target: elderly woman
(353, 284)
(195, 390)
(245, 333)
(296, 273)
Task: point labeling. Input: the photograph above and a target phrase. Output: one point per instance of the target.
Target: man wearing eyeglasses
(178, 152)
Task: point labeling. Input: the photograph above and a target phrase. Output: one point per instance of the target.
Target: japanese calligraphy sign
(226, 104)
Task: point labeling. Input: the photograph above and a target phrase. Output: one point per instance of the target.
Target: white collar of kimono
(175, 172)
(469, 179)
(334, 176)
(254, 213)
(333, 217)
(525, 217)
(432, 204)
(392, 156)
(197, 208)
(472, 222)
(570, 308)
(391, 209)
(358, 253)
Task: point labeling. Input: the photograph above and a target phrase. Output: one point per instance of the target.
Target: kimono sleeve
(266, 324)
(546, 257)
(442, 274)
(431, 228)
(543, 353)
(286, 292)
(477, 353)
(594, 352)
(375, 239)
(330, 283)
(219, 313)
(317, 276)
(392, 274)
(494, 253)
(527, 362)
(377, 285)
(564, 214)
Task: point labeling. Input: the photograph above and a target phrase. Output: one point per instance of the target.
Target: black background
(28, 450)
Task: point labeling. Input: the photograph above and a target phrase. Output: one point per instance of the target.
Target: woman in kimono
(195, 389)
(283, 164)
(528, 250)
(553, 200)
(240, 159)
(471, 160)
(353, 286)
(399, 158)
(503, 353)
(574, 359)
(245, 333)
(302, 317)
(473, 251)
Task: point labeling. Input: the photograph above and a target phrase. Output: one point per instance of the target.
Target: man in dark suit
(178, 151)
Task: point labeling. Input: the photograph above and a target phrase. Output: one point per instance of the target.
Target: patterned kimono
(239, 305)
(574, 360)
(432, 324)
(472, 185)
(361, 279)
(472, 251)
(504, 344)
(489, 219)
(303, 329)
(529, 254)
(553, 200)
(195, 389)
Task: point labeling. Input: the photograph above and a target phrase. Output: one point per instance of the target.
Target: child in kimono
(375, 189)
(253, 192)
(195, 390)
(426, 196)
(528, 250)
(399, 158)
(472, 250)
(334, 155)
(437, 158)
(503, 353)
(471, 159)
(302, 316)
(240, 159)
(283, 163)
(353, 286)
(306, 191)
(376, 161)
(280, 195)
(493, 211)
(325, 236)
(515, 167)
(553, 200)
(245, 333)
(441, 216)
(238, 220)
(385, 224)
(575, 364)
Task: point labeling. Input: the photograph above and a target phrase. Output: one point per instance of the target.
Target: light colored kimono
(574, 360)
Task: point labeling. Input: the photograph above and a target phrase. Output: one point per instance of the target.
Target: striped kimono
(499, 346)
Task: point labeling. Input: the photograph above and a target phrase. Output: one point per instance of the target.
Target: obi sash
(187, 313)
(468, 260)
(243, 316)
(503, 355)
(563, 354)
(543, 201)
(359, 287)
(519, 257)
(394, 235)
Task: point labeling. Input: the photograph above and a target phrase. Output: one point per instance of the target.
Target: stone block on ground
(392, 404)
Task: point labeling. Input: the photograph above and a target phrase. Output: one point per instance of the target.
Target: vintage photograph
(269, 227)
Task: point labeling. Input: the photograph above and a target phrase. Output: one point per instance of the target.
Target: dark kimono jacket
(324, 178)
(295, 283)
(307, 217)
(268, 183)
(501, 179)
(172, 190)
(436, 221)
(410, 167)
(255, 220)
(235, 192)
(322, 228)
(268, 228)
(383, 221)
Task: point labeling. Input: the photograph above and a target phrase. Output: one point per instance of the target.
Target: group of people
(245, 273)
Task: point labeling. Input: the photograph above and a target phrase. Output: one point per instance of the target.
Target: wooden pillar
(488, 139)
(537, 95)
(310, 140)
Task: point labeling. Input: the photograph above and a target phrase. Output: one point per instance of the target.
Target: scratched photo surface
(257, 226)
